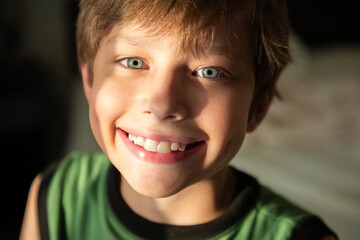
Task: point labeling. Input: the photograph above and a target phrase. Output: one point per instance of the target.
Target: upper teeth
(155, 146)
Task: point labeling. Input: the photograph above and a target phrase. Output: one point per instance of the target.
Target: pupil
(209, 72)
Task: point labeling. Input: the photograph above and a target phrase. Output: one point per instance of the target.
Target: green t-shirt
(80, 199)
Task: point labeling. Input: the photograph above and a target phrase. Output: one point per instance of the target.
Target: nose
(167, 95)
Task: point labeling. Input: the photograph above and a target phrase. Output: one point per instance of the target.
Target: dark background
(38, 67)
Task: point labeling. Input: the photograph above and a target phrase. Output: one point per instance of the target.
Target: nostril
(147, 112)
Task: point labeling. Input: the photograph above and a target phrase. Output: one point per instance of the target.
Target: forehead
(230, 38)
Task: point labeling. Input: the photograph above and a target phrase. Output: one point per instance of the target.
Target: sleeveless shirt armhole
(42, 200)
(312, 229)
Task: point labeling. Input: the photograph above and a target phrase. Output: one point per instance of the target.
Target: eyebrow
(224, 51)
(218, 50)
(137, 42)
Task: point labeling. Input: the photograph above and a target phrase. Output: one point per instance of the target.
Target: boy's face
(169, 99)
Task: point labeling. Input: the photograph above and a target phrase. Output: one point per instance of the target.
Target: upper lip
(161, 137)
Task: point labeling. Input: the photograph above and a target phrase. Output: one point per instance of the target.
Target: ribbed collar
(247, 192)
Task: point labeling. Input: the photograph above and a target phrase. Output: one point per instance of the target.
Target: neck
(198, 203)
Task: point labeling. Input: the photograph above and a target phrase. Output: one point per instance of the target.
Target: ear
(86, 79)
(260, 112)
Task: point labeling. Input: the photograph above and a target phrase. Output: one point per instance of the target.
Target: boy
(173, 87)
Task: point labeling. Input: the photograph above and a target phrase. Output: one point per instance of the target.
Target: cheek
(229, 113)
(226, 124)
(107, 104)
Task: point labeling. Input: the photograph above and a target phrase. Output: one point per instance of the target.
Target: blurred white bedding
(308, 147)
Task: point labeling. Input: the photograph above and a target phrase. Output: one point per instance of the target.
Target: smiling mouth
(160, 146)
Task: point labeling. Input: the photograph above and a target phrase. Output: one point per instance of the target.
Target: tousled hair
(194, 22)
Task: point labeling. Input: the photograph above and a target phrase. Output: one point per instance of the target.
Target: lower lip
(154, 157)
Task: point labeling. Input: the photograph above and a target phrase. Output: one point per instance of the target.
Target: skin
(30, 226)
(169, 99)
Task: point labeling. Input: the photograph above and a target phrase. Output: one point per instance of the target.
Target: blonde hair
(194, 20)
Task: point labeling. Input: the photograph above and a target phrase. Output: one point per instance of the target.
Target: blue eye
(134, 63)
(208, 72)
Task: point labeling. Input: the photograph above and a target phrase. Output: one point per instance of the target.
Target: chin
(157, 184)
(157, 191)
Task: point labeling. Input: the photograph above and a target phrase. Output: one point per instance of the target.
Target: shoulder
(290, 219)
(268, 205)
(75, 168)
(87, 163)
(30, 225)
(277, 207)
(271, 216)
(67, 187)
(75, 172)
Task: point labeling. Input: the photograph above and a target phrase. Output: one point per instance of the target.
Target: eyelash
(128, 59)
(221, 74)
